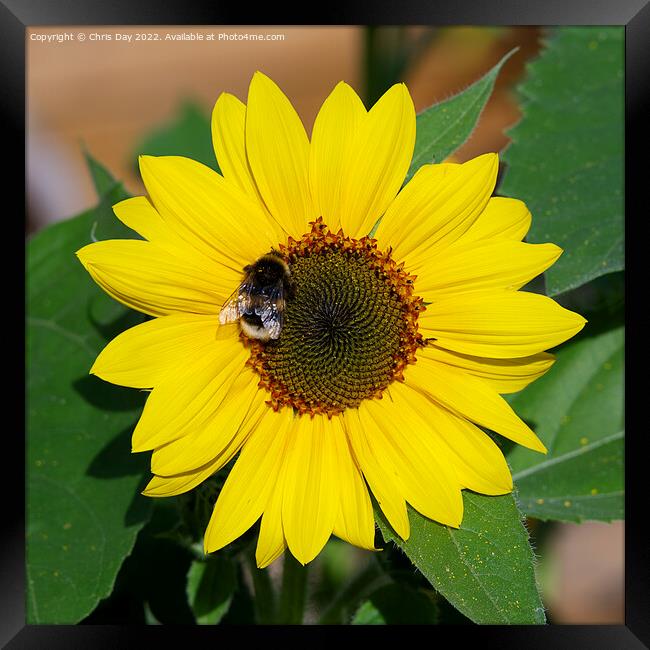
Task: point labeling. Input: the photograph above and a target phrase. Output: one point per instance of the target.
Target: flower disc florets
(349, 329)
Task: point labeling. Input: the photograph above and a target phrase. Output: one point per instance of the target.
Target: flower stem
(369, 578)
(264, 593)
(294, 590)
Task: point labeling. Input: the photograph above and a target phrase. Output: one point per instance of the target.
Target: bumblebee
(260, 300)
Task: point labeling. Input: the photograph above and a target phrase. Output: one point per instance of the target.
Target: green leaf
(103, 180)
(566, 156)
(109, 192)
(444, 127)
(151, 583)
(84, 509)
(577, 411)
(189, 134)
(397, 604)
(149, 618)
(210, 587)
(484, 568)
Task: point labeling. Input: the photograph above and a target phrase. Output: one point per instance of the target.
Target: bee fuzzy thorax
(259, 301)
(268, 270)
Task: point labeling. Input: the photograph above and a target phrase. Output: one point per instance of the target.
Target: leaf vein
(55, 327)
(567, 456)
(477, 578)
(432, 146)
(92, 515)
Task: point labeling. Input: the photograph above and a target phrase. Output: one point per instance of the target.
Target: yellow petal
(355, 521)
(168, 486)
(141, 356)
(502, 324)
(251, 482)
(278, 154)
(436, 207)
(503, 218)
(229, 141)
(481, 266)
(311, 491)
(209, 213)
(189, 396)
(478, 463)
(165, 486)
(422, 466)
(143, 276)
(271, 543)
(378, 471)
(331, 145)
(207, 435)
(504, 375)
(469, 397)
(139, 214)
(380, 155)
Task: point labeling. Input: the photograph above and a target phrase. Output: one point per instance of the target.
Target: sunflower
(403, 327)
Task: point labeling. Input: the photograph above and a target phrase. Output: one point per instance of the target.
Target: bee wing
(239, 303)
(230, 310)
(271, 310)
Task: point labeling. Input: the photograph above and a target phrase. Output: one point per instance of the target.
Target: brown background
(108, 94)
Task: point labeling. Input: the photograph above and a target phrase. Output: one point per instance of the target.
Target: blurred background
(113, 96)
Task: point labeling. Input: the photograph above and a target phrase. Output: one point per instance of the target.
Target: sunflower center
(350, 326)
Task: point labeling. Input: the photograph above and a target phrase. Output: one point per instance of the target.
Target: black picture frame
(17, 15)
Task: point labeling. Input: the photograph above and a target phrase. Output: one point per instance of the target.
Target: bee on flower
(340, 331)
